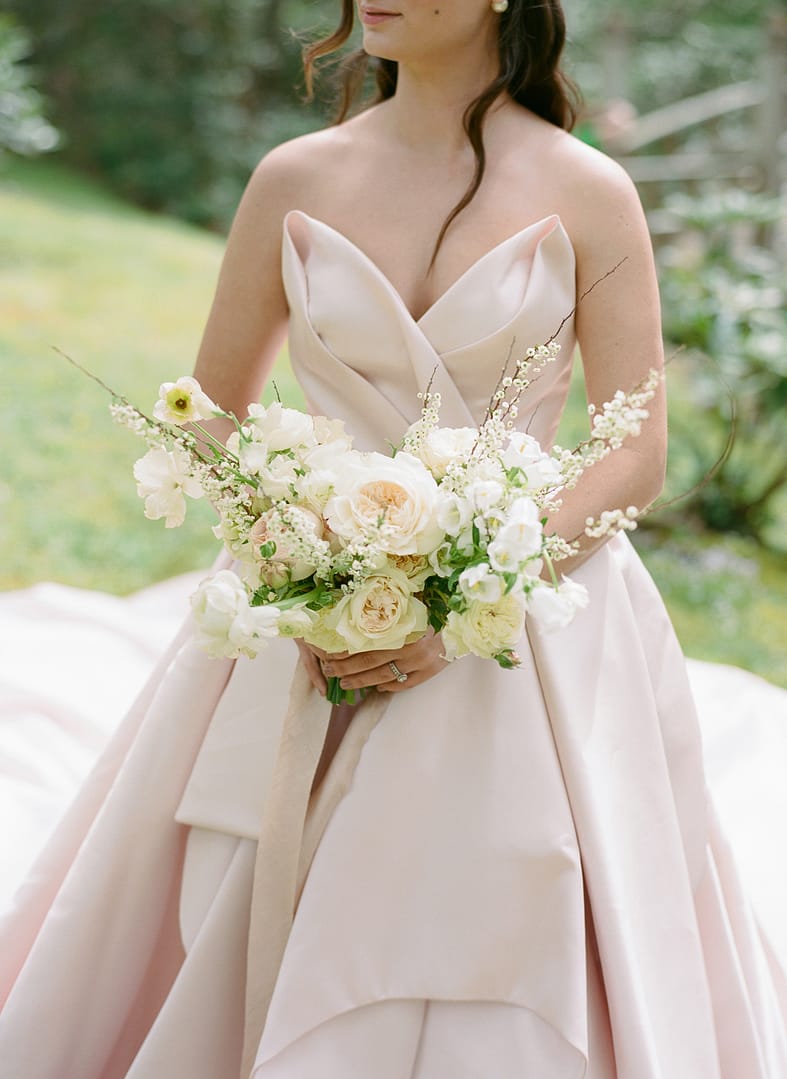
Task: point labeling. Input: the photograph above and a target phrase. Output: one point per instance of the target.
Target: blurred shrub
(172, 101)
(725, 299)
(23, 127)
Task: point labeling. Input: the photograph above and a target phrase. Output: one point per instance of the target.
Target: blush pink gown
(504, 874)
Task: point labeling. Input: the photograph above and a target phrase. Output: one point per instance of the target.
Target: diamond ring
(400, 676)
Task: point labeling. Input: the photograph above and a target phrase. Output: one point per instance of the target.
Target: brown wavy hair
(531, 37)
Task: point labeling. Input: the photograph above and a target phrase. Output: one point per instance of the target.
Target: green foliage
(23, 127)
(725, 299)
(675, 50)
(173, 101)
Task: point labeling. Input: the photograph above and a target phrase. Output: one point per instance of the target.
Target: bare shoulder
(597, 200)
(297, 172)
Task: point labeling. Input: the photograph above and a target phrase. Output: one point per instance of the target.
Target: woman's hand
(419, 661)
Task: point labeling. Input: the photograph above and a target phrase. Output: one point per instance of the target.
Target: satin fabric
(522, 873)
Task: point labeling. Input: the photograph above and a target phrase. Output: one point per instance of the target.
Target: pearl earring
(499, 6)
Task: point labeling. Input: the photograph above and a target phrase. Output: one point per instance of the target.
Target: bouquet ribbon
(292, 825)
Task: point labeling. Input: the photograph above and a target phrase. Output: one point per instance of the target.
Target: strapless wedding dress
(503, 874)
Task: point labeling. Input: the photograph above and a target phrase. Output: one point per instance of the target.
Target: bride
(476, 873)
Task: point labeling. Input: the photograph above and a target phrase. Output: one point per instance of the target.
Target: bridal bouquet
(355, 551)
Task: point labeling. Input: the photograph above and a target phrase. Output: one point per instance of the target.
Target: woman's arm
(618, 328)
(247, 323)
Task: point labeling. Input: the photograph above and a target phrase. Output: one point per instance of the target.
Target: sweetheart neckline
(558, 223)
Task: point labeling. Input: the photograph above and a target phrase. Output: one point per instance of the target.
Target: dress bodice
(360, 356)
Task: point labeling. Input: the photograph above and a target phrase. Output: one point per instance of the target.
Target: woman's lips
(370, 16)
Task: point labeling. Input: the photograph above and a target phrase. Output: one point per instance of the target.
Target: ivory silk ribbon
(289, 834)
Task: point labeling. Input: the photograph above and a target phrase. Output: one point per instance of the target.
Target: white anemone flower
(183, 402)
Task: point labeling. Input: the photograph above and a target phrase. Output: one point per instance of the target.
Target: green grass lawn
(126, 294)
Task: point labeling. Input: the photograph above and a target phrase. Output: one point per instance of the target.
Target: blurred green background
(127, 133)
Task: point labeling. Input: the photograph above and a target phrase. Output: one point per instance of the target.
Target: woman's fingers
(313, 668)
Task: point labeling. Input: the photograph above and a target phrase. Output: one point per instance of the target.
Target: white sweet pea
(394, 499)
(479, 583)
(281, 428)
(454, 514)
(485, 629)
(485, 494)
(443, 445)
(522, 450)
(226, 625)
(162, 480)
(553, 608)
(518, 539)
(183, 402)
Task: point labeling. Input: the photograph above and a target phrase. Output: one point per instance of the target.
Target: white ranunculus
(443, 445)
(183, 402)
(393, 499)
(381, 613)
(279, 477)
(454, 513)
(479, 583)
(331, 433)
(553, 608)
(162, 480)
(518, 539)
(226, 625)
(485, 629)
(316, 487)
(281, 428)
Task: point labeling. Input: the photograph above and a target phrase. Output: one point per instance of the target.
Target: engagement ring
(400, 676)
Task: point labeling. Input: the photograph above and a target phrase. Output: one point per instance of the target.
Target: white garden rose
(393, 499)
(518, 539)
(485, 629)
(381, 613)
(226, 625)
(163, 479)
(443, 445)
(553, 608)
(479, 583)
(415, 567)
(280, 428)
(183, 402)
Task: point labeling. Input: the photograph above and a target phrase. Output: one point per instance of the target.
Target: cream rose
(484, 629)
(393, 499)
(381, 613)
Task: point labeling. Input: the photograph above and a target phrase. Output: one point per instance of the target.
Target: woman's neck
(428, 108)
